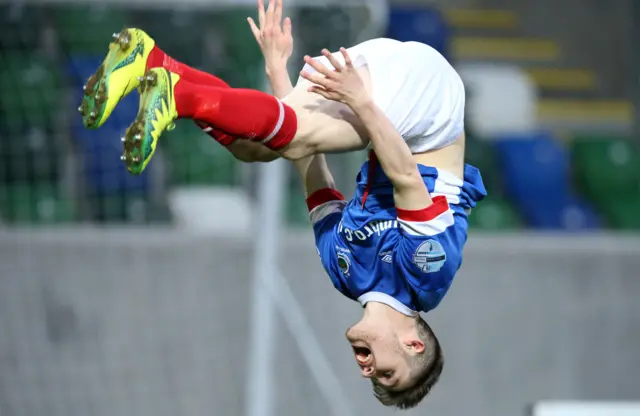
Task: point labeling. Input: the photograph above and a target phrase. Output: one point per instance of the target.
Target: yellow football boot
(116, 77)
(156, 114)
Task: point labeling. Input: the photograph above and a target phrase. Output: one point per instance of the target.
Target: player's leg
(301, 125)
(323, 126)
(131, 53)
(165, 97)
(241, 113)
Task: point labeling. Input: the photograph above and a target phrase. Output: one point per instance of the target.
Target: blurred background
(125, 296)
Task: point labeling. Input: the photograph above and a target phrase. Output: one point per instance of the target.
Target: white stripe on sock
(278, 126)
(207, 129)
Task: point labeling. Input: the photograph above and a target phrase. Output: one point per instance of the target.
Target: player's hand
(273, 35)
(342, 84)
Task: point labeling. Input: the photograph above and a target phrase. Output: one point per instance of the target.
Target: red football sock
(241, 113)
(159, 59)
(217, 135)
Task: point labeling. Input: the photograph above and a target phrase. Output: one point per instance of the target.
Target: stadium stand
(53, 170)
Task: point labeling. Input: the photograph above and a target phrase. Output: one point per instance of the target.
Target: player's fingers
(347, 59)
(318, 90)
(287, 27)
(261, 15)
(277, 16)
(332, 60)
(319, 67)
(324, 93)
(315, 78)
(270, 8)
(254, 29)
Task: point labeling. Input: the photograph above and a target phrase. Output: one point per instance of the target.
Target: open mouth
(363, 354)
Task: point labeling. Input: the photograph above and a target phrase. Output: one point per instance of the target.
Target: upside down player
(397, 244)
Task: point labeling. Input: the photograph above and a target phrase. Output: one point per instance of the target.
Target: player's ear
(416, 346)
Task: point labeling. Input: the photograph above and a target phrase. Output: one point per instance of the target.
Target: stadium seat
(31, 155)
(29, 112)
(500, 99)
(195, 159)
(622, 213)
(243, 63)
(104, 172)
(88, 29)
(532, 166)
(112, 193)
(606, 166)
(34, 204)
(101, 149)
(494, 214)
(420, 24)
(31, 92)
(535, 171)
(482, 155)
(81, 66)
(568, 213)
(21, 27)
(163, 24)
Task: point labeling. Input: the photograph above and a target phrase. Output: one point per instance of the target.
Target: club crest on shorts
(344, 263)
(430, 256)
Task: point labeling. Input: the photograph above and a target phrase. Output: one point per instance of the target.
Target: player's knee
(256, 156)
(245, 157)
(425, 371)
(299, 148)
(246, 151)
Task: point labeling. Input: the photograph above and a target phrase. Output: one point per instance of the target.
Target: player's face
(380, 356)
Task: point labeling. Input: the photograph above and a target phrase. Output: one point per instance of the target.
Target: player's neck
(379, 312)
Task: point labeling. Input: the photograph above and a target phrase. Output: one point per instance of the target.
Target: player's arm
(409, 190)
(315, 174)
(345, 85)
(274, 37)
(276, 42)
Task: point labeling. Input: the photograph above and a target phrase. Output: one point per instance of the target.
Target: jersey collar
(387, 300)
